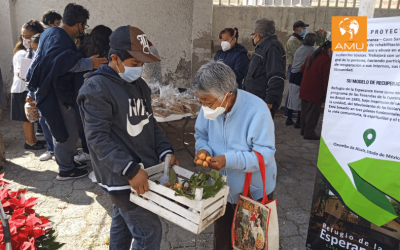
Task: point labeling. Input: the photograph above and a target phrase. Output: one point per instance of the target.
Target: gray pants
(64, 151)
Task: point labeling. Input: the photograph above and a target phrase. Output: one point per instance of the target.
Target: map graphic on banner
(358, 191)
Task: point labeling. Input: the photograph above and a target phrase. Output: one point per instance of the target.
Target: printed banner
(359, 155)
(334, 226)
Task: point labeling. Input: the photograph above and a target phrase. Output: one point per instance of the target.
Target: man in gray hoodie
(122, 136)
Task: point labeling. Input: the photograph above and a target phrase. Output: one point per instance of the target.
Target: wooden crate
(162, 201)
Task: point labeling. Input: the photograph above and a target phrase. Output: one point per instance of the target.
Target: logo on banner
(349, 33)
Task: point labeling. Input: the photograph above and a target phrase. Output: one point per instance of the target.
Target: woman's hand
(201, 151)
(218, 162)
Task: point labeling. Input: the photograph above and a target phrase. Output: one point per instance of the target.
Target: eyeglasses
(212, 104)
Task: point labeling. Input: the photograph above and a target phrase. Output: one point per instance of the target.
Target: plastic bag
(175, 107)
(32, 112)
(190, 106)
(154, 85)
(157, 111)
(168, 92)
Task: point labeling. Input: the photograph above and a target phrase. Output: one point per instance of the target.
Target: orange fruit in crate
(199, 162)
(202, 156)
(208, 159)
(205, 164)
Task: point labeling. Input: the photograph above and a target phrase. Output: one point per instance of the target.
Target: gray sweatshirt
(120, 128)
(300, 57)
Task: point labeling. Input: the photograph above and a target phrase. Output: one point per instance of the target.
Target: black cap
(134, 41)
(299, 24)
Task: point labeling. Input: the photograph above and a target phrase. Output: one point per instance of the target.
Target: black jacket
(49, 75)
(236, 58)
(267, 70)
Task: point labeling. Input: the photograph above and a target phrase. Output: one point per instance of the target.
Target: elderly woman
(233, 54)
(267, 70)
(314, 86)
(231, 124)
(300, 56)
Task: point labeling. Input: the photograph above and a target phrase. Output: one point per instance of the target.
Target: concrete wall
(168, 24)
(243, 18)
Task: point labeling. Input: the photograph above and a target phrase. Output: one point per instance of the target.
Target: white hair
(215, 78)
(265, 27)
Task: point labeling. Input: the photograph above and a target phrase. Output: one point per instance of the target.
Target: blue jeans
(139, 224)
(47, 134)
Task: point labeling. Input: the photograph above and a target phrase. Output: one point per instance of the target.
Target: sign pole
(366, 8)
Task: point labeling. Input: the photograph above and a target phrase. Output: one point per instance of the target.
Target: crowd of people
(90, 86)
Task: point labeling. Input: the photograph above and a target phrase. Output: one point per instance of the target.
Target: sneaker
(36, 146)
(82, 156)
(39, 132)
(43, 142)
(46, 156)
(73, 174)
(79, 165)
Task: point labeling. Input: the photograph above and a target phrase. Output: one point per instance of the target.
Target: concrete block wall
(169, 25)
(243, 18)
(185, 32)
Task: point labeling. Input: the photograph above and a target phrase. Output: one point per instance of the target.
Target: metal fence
(379, 4)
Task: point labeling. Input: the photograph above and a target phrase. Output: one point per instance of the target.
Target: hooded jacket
(120, 128)
(267, 70)
(236, 58)
(49, 75)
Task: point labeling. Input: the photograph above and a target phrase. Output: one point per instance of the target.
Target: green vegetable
(200, 181)
(172, 177)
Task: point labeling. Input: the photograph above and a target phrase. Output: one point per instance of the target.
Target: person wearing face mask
(51, 77)
(231, 124)
(233, 54)
(313, 88)
(294, 42)
(123, 135)
(266, 75)
(19, 90)
(42, 121)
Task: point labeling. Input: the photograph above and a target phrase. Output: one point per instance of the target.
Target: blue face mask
(303, 32)
(131, 73)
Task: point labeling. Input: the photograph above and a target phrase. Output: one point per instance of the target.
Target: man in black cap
(123, 136)
(294, 42)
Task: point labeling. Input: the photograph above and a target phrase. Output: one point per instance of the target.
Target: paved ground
(80, 209)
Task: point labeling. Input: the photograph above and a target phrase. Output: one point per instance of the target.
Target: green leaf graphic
(341, 182)
(382, 174)
(372, 194)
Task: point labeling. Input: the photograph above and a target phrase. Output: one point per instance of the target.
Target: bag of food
(175, 107)
(158, 102)
(157, 111)
(32, 112)
(189, 107)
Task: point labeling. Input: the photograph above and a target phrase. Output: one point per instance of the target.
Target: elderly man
(231, 124)
(266, 74)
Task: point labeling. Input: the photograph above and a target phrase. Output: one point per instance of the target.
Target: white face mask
(131, 73)
(212, 114)
(26, 43)
(225, 45)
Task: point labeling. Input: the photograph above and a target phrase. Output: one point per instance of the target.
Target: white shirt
(18, 85)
